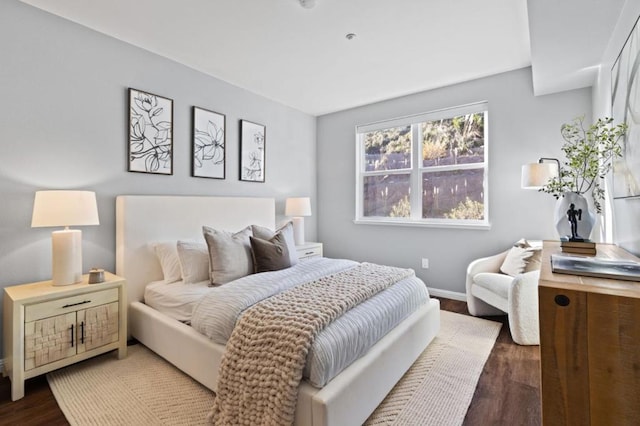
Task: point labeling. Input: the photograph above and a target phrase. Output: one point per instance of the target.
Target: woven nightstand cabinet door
(48, 340)
(97, 327)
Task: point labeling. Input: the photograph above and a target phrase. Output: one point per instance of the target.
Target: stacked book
(586, 247)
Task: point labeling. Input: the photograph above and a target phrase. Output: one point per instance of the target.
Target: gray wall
(623, 228)
(522, 128)
(63, 124)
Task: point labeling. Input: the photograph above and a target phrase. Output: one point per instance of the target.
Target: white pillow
(194, 261)
(167, 255)
(521, 258)
(516, 261)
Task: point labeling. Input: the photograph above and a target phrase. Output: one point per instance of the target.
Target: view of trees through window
(450, 161)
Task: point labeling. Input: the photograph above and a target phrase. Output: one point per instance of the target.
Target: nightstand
(47, 327)
(308, 250)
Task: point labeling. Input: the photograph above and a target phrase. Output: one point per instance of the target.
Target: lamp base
(67, 257)
(298, 230)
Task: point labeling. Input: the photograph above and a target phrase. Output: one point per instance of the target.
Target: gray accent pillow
(271, 255)
(287, 231)
(229, 254)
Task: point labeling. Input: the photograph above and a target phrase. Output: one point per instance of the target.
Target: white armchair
(490, 292)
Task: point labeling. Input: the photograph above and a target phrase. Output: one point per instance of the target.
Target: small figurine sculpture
(574, 216)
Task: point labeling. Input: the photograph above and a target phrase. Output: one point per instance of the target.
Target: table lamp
(298, 208)
(65, 208)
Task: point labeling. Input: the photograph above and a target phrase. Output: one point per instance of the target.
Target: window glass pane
(388, 149)
(386, 196)
(455, 194)
(457, 140)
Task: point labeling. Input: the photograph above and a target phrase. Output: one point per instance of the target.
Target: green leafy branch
(589, 155)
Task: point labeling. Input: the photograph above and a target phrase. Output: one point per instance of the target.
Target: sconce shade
(300, 206)
(537, 175)
(64, 208)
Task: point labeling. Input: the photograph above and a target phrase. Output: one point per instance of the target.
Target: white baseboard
(454, 295)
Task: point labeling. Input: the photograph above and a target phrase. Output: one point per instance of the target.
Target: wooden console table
(589, 345)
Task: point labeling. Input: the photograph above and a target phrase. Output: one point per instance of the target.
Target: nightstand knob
(562, 300)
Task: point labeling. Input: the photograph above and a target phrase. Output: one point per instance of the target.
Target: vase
(573, 213)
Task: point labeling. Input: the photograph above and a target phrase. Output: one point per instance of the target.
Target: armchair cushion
(522, 257)
(495, 283)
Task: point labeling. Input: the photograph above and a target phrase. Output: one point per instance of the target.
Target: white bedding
(175, 299)
(345, 340)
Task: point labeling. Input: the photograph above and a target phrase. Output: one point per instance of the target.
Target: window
(426, 169)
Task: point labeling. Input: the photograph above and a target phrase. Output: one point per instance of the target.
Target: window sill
(424, 224)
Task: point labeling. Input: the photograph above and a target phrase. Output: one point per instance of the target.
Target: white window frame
(416, 171)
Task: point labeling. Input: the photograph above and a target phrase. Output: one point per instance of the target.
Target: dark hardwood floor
(508, 391)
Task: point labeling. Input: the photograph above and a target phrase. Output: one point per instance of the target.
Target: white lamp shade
(299, 206)
(537, 175)
(64, 208)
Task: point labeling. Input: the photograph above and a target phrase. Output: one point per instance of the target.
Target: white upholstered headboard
(143, 219)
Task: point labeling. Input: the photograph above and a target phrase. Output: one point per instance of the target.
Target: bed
(348, 399)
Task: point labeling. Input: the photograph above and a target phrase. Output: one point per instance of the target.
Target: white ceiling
(568, 40)
(301, 57)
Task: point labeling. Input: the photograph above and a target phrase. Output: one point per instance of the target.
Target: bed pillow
(194, 261)
(270, 255)
(167, 255)
(521, 258)
(287, 231)
(229, 254)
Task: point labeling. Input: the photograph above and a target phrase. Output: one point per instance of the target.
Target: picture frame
(150, 148)
(625, 108)
(208, 153)
(253, 138)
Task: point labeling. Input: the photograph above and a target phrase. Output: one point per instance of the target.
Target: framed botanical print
(252, 151)
(150, 133)
(625, 108)
(208, 148)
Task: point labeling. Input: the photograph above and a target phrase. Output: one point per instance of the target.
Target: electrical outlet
(425, 263)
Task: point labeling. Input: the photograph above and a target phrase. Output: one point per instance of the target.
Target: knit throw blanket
(265, 356)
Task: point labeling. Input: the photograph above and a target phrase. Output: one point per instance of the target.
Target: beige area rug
(439, 386)
(143, 389)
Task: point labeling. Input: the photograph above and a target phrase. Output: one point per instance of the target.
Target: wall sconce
(298, 207)
(65, 208)
(537, 175)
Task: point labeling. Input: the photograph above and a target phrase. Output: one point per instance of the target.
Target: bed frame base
(348, 399)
